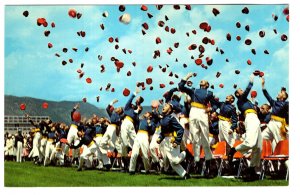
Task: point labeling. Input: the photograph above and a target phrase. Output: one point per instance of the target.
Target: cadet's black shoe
(131, 172)
(79, 169)
(230, 155)
(186, 176)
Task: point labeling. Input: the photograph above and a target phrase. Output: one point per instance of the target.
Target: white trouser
(57, 153)
(253, 139)
(49, 149)
(102, 156)
(43, 147)
(174, 156)
(128, 135)
(87, 152)
(108, 140)
(19, 151)
(154, 146)
(224, 128)
(186, 139)
(35, 152)
(72, 137)
(141, 142)
(199, 130)
(272, 132)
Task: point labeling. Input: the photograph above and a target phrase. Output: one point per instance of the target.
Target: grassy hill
(58, 111)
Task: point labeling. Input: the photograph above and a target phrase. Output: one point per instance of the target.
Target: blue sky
(32, 69)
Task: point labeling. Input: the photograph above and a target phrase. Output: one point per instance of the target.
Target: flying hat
(192, 47)
(215, 11)
(176, 7)
(198, 61)
(149, 15)
(150, 69)
(249, 62)
(50, 45)
(261, 33)
(72, 13)
(149, 81)
(158, 7)
(266, 51)
(105, 14)
(221, 85)
(144, 8)
(158, 40)
(76, 116)
(22, 106)
(284, 37)
(129, 73)
(248, 42)
(25, 13)
(188, 7)
(63, 62)
(253, 94)
(126, 92)
(122, 8)
(228, 37)
(247, 28)
(162, 85)
(238, 25)
(245, 10)
(88, 80)
(125, 18)
(45, 105)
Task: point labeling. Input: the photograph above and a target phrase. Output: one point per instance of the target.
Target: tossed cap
(253, 51)
(45, 105)
(284, 37)
(25, 13)
(72, 13)
(253, 94)
(221, 85)
(144, 8)
(215, 11)
(122, 8)
(162, 85)
(261, 33)
(237, 71)
(248, 41)
(105, 14)
(238, 25)
(88, 80)
(245, 10)
(149, 81)
(125, 18)
(249, 62)
(50, 45)
(129, 73)
(126, 92)
(256, 72)
(228, 37)
(149, 69)
(247, 28)
(22, 106)
(198, 61)
(218, 74)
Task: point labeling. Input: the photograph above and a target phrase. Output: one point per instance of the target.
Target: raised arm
(129, 102)
(108, 108)
(234, 119)
(265, 92)
(181, 85)
(247, 90)
(74, 109)
(169, 94)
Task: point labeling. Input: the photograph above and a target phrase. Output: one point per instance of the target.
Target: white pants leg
(48, 152)
(154, 146)
(200, 133)
(108, 140)
(224, 128)
(128, 135)
(72, 136)
(186, 139)
(87, 152)
(36, 145)
(272, 132)
(253, 139)
(141, 142)
(174, 157)
(43, 147)
(19, 151)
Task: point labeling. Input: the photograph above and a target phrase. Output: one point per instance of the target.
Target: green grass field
(29, 175)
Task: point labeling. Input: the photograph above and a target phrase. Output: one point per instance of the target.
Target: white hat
(125, 18)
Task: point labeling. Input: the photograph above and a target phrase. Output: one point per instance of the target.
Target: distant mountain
(57, 111)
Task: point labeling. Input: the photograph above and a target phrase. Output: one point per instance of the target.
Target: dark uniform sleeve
(269, 98)
(247, 90)
(170, 93)
(178, 128)
(181, 87)
(234, 119)
(128, 104)
(109, 112)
